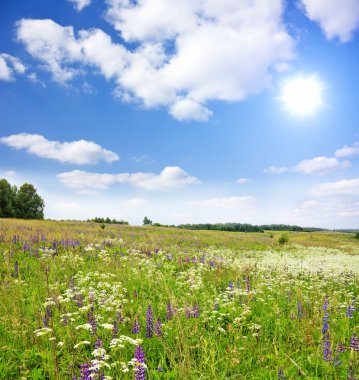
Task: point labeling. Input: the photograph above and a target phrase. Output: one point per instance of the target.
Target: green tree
(7, 199)
(146, 221)
(29, 205)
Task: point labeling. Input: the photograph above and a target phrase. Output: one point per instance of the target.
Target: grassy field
(81, 302)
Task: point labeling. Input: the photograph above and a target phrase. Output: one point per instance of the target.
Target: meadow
(78, 301)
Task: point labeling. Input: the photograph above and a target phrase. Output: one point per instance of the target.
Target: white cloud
(79, 5)
(188, 109)
(275, 170)
(76, 152)
(170, 177)
(315, 166)
(242, 181)
(336, 18)
(10, 173)
(347, 151)
(10, 65)
(344, 187)
(230, 202)
(320, 165)
(201, 50)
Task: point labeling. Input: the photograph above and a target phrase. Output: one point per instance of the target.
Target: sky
(185, 111)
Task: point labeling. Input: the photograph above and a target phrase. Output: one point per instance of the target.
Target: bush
(357, 235)
(283, 239)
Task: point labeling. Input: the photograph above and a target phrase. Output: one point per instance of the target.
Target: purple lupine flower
(98, 343)
(300, 310)
(203, 259)
(188, 312)
(354, 342)
(169, 313)
(115, 329)
(47, 316)
(16, 269)
(85, 372)
(341, 348)
(326, 347)
(158, 327)
(325, 328)
(281, 375)
(349, 311)
(159, 369)
(149, 322)
(212, 264)
(135, 294)
(140, 359)
(136, 326)
(92, 321)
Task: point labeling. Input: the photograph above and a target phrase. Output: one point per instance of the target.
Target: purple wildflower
(140, 359)
(326, 347)
(92, 321)
(47, 316)
(85, 372)
(169, 313)
(135, 294)
(149, 322)
(354, 342)
(349, 311)
(341, 348)
(203, 259)
(160, 369)
(158, 327)
(136, 326)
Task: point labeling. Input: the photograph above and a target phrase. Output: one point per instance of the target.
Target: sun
(302, 95)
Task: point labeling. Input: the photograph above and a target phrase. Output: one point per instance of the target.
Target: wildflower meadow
(83, 302)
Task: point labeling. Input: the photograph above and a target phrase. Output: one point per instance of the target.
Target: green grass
(248, 331)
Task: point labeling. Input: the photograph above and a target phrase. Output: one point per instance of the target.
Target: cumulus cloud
(79, 5)
(347, 151)
(320, 165)
(202, 50)
(336, 18)
(344, 187)
(170, 177)
(226, 202)
(10, 65)
(79, 152)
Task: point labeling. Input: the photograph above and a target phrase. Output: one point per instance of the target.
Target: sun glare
(302, 95)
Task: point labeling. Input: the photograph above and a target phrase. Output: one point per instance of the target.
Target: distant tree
(147, 221)
(357, 235)
(28, 204)
(7, 199)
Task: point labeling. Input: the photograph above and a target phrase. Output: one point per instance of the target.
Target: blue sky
(178, 110)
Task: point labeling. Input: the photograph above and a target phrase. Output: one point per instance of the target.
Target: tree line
(22, 203)
(107, 220)
(246, 227)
